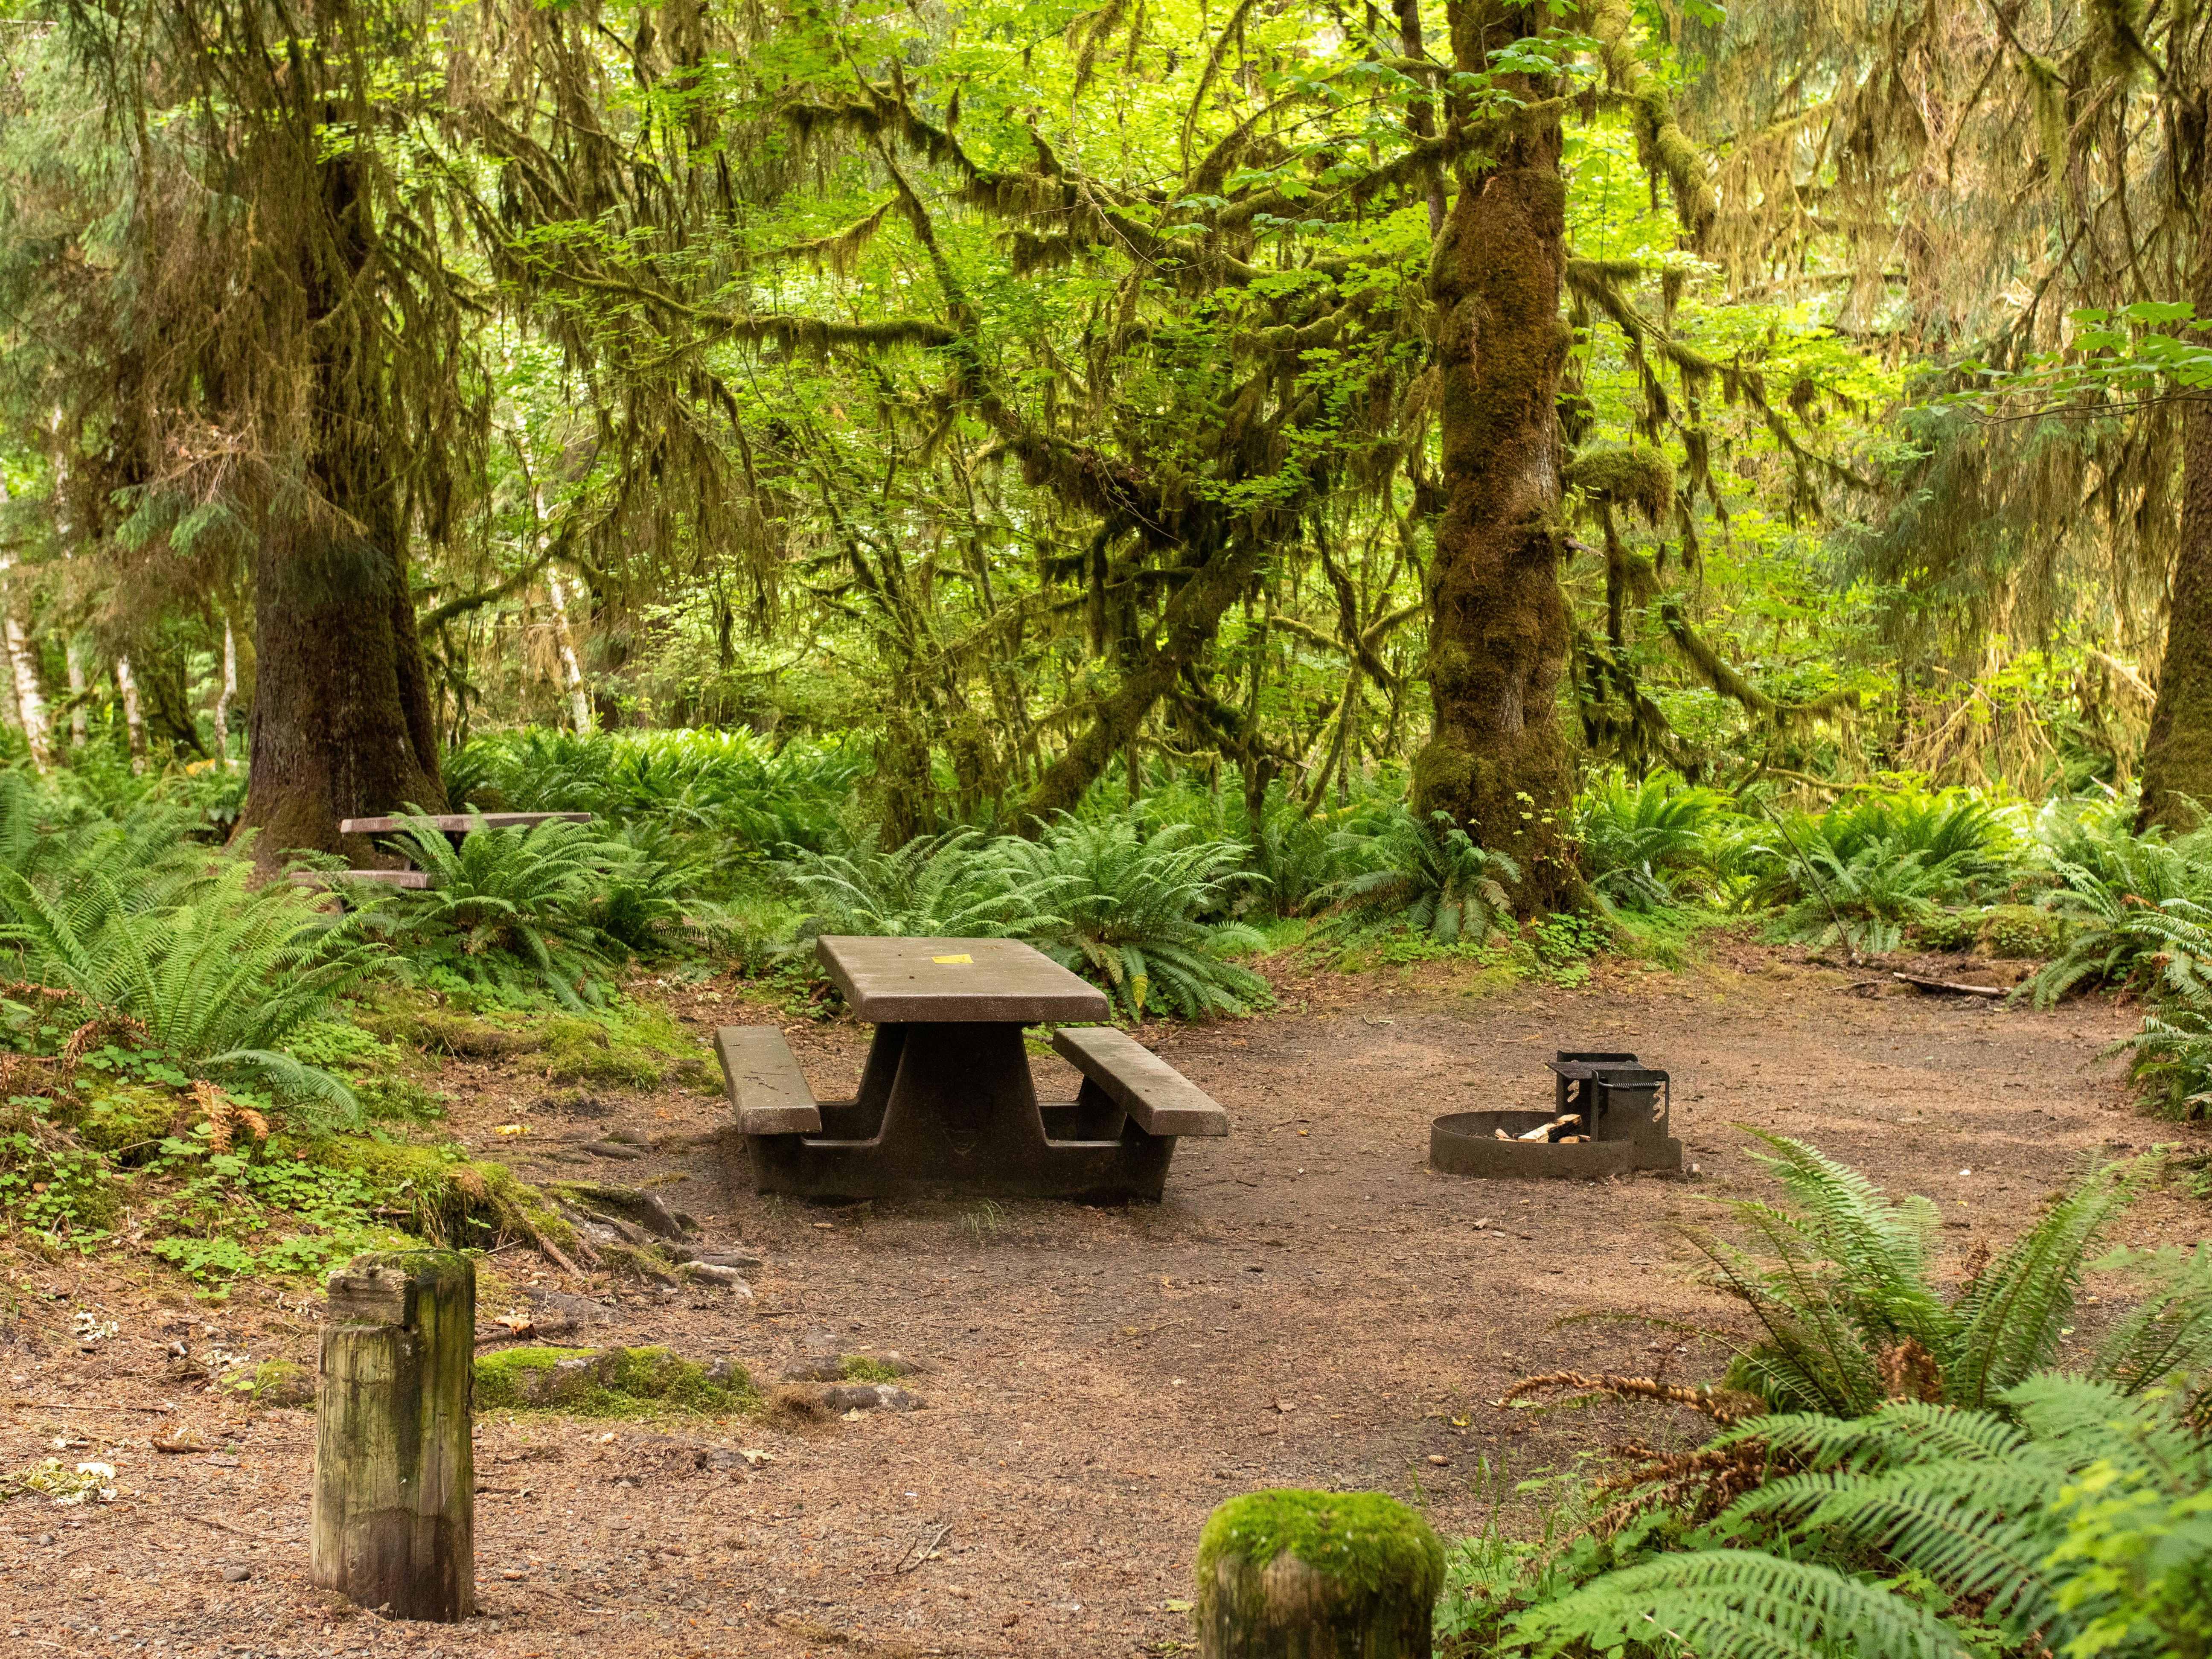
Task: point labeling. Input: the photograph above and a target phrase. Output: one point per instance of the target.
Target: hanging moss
(1636, 479)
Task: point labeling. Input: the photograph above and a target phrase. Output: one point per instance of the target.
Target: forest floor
(1309, 1306)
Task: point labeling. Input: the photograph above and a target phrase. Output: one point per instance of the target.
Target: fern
(943, 886)
(1838, 1282)
(1131, 913)
(1736, 1603)
(1427, 874)
(2074, 1521)
(217, 971)
(512, 910)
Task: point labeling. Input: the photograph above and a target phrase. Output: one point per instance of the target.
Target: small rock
(869, 1397)
(1439, 1460)
(710, 1272)
(611, 1149)
(625, 1486)
(46, 1538)
(236, 1574)
(814, 1371)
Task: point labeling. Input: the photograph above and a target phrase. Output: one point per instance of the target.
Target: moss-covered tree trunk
(342, 724)
(1499, 637)
(2176, 767)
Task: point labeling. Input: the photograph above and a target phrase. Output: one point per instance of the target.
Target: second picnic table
(946, 1104)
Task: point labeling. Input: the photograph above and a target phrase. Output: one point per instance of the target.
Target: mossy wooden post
(1317, 1574)
(394, 1516)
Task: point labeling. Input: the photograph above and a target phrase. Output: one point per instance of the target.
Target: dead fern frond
(107, 1024)
(1725, 1407)
(226, 1117)
(1699, 1483)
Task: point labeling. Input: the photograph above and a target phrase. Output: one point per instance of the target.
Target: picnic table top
(457, 824)
(971, 980)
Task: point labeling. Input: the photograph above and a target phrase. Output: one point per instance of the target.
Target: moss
(609, 1383)
(1367, 1543)
(273, 1383)
(578, 1050)
(640, 1047)
(1636, 477)
(130, 1121)
(445, 1194)
(442, 1032)
(859, 1368)
(1948, 930)
(2021, 930)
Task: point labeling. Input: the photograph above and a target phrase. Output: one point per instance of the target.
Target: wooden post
(1317, 1574)
(393, 1522)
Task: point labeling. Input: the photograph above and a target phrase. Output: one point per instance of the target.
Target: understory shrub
(1425, 874)
(1127, 912)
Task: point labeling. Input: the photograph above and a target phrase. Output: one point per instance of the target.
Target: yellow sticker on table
(969, 960)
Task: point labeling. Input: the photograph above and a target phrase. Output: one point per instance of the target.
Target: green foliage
(2138, 904)
(515, 912)
(1645, 844)
(1100, 896)
(230, 1216)
(1429, 876)
(192, 958)
(1841, 1288)
(614, 1382)
(1127, 913)
(953, 886)
(2074, 1521)
(733, 792)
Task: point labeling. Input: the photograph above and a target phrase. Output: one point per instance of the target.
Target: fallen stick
(80, 1405)
(1927, 984)
(1543, 1131)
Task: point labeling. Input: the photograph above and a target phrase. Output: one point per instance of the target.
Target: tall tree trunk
(80, 721)
(342, 724)
(2177, 766)
(1498, 634)
(572, 671)
(134, 718)
(227, 695)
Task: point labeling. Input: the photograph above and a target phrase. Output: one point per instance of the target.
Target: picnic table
(946, 1104)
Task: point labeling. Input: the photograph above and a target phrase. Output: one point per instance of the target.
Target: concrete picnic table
(946, 1104)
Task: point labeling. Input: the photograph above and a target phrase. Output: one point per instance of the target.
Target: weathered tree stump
(394, 1517)
(1317, 1574)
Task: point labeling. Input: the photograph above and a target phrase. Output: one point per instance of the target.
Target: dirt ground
(1309, 1306)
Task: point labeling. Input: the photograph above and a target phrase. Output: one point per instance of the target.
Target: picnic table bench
(946, 1104)
(455, 827)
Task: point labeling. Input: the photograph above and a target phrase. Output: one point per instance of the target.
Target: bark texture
(1498, 628)
(393, 1520)
(2177, 766)
(342, 724)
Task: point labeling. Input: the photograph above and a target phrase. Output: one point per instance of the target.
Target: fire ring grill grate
(1610, 1114)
